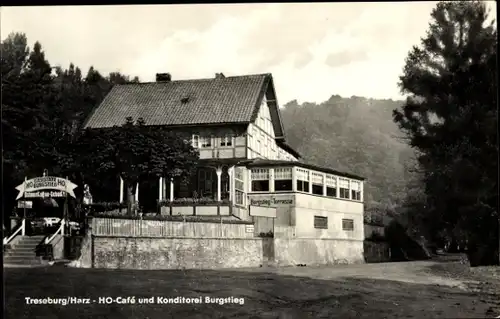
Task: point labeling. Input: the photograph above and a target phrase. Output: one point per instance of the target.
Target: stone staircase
(23, 252)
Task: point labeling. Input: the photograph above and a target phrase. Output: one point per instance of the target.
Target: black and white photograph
(250, 160)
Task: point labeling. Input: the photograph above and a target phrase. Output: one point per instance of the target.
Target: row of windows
(206, 141)
(319, 185)
(321, 222)
(239, 187)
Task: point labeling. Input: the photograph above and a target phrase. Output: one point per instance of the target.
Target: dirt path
(370, 291)
(417, 272)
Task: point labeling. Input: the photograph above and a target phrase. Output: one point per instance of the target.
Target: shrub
(192, 201)
(269, 234)
(176, 218)
(104, 206)
(376, 237)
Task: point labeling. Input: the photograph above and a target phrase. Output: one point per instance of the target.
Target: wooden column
(230, 172)
(338, 187)
(171, 189)
(121, 189)
(137, 193)
(160, 189)
(271, 180)
(219, 174)
(309, 173)
(324, 184)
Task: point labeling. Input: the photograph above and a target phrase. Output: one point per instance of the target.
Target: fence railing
(21, 229)
(165, 228)
(60, 230)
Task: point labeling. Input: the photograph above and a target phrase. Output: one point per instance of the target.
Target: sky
(313, 50)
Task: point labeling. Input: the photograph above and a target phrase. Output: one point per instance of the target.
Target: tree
(450, 118)
(42, 112)
(136, 152)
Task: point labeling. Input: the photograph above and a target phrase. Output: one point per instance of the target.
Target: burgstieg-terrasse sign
(270, 202)
(31, 187)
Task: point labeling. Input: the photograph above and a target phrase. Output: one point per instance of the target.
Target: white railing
(20, 229)
(59, 230)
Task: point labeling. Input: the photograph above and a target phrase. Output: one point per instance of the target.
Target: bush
(269, 234)
(376, 237)
(104, 206)
(192, 201)
(176, 218)
(403, 247)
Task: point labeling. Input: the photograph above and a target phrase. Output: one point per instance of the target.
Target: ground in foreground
(290, 293)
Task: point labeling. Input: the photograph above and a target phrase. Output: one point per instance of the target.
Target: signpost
(45, 186)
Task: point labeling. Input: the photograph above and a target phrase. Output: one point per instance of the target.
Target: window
(348, 224)
(302, 180)
(331, 186)
(226, 141)
(206, 142)
(195, 141)
(239, 186)
(344, 188)
(317, 183)
(258, 146)
(320, 222)
(283, 179)
(260, 180)
(355, 190)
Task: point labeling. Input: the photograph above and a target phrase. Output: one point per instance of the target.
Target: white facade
(261, 140)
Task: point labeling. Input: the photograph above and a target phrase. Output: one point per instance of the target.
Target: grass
(265, 295)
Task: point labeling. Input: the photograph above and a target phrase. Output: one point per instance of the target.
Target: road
(389, 290)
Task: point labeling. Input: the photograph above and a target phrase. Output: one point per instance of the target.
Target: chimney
(163, 77)
(219, 75)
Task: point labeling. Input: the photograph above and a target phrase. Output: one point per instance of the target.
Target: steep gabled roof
(223, 100)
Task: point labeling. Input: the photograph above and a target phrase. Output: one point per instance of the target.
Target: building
(246, 166)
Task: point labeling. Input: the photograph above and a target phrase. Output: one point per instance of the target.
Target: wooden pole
(23, 231)
(65, 210)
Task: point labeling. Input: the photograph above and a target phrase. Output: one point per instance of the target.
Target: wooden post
(324, 184)
(121, 190)
(160, 189)
(171, 189)
(231, 182)
(65, 213)
(23, 224)
(137, 193)
(271, 180)
(337, 186)
(310, 178)
(219, 173)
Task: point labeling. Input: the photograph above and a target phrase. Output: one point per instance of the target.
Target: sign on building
(262, 211)
(271, 201)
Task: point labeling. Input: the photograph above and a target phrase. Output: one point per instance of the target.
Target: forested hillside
(355, 135)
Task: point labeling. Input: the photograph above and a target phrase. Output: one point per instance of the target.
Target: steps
(24, 251)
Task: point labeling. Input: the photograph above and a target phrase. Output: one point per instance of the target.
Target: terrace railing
(122, 227)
